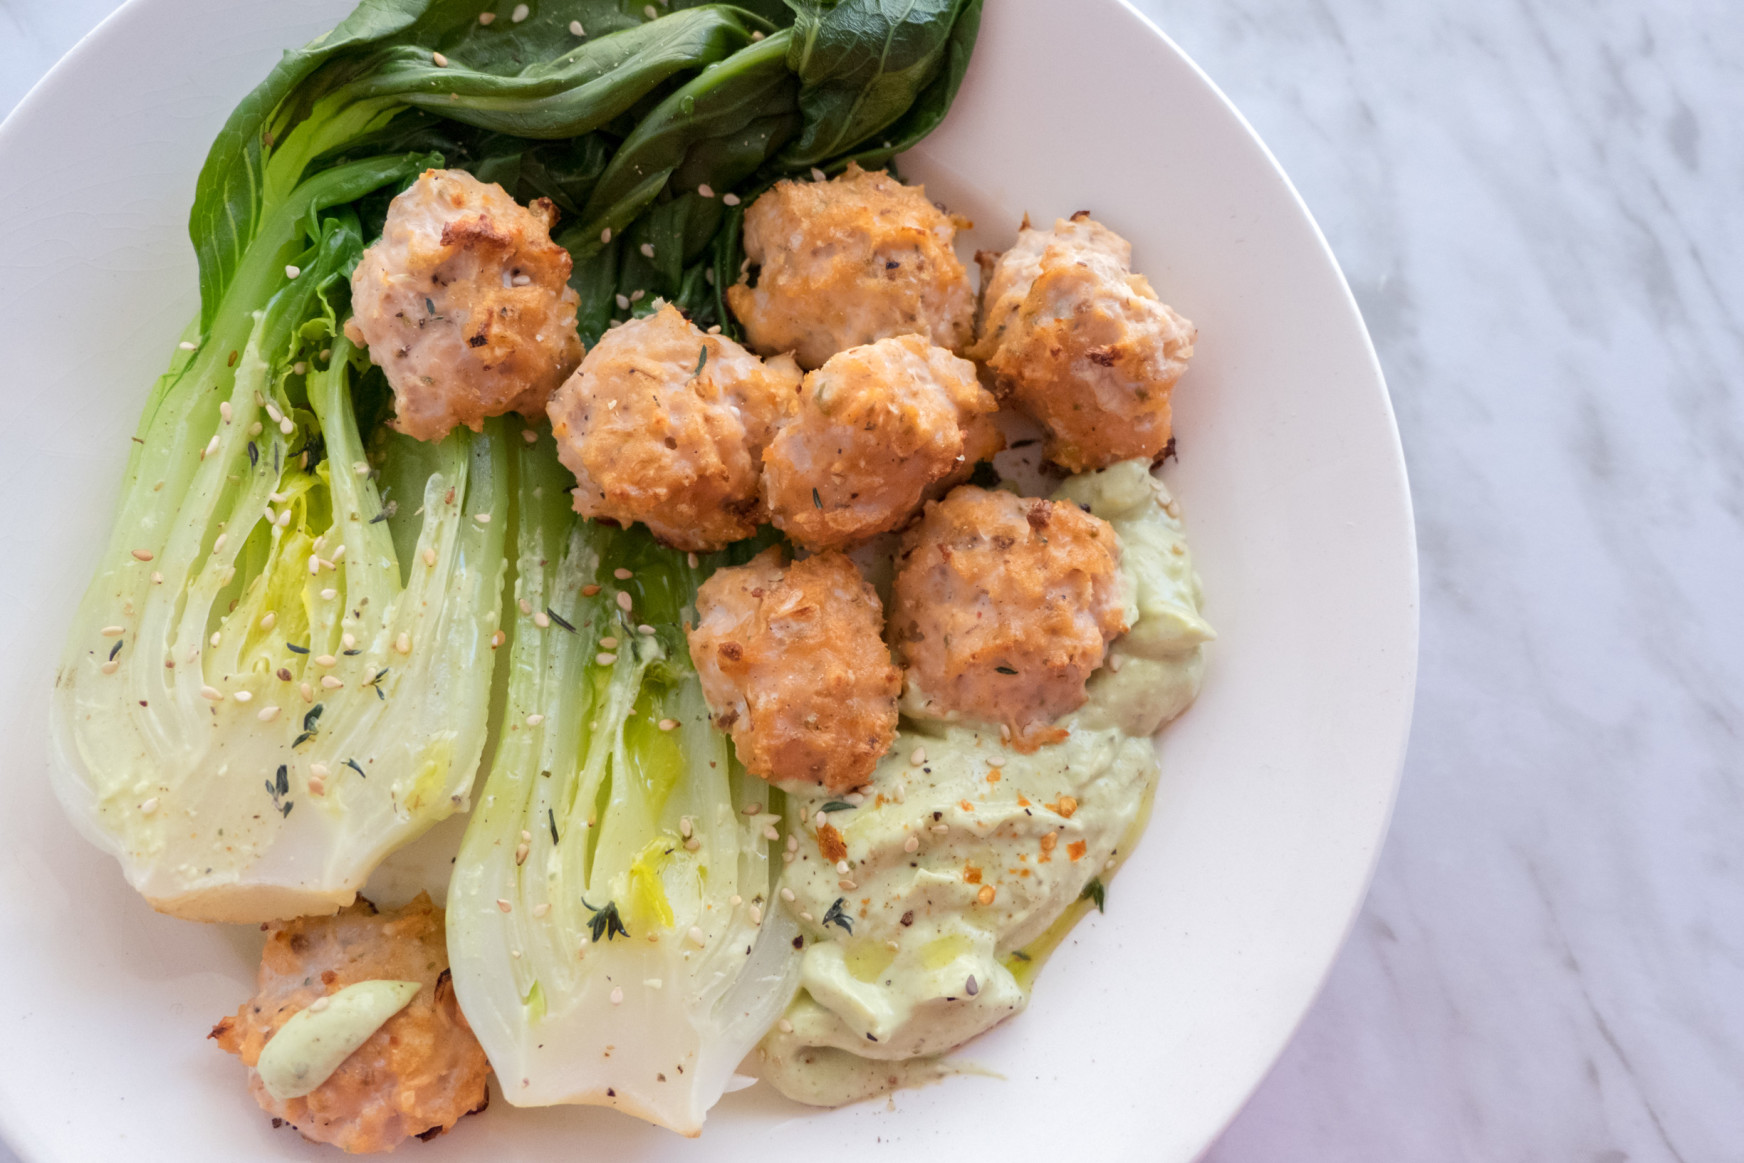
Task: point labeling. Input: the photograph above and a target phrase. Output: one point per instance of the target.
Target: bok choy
(611, 921)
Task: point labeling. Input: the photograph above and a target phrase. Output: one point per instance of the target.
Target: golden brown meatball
(1003, 606)
(876, 425)
(1082, 344)
(793, 663)
(665, 425)
(848, 261)
(419, 1074)
(465, 304)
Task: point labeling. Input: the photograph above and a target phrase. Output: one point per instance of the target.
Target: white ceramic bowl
(1153, 1023)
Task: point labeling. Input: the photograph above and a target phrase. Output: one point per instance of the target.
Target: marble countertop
(1538, 207)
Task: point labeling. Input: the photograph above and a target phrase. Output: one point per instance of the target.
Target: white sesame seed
(244, 696)
(535, 719)
(300, 368)
(143, 555)
(708, 275)
(692, 844)
(785, 1026)
(286, 427)
(605, 658)
(330, 682)
(787, 857)
(912, 844)
(266, 623)
(519, 14)
(608, 643)
(486, 17)
(504, 905)
(439, 60)
(267, 714)
(996, 761)
(622, 574)
(691, 560)
(756, 36)
(111, 666)
(817, 175)
(918, 756)
(319, 1004)
(328, 594)
(284, 519)
(846, 884)
(292, 272)
(696, 937)
(213, 693)
(307, 691)
(429, 556)
(156, 578)
(617, 995)
(541, 908)
(730, 199)
(187, 345)
(644, 628)
(148, 807)
(521, 851)
(325, 660)
(575, 28)
(482, 518)
(529, 435)
(623, 601)
(706, 190)
(498, 639)
(348, 640)
(752, 809)
(541, 619)
(623, 302)
(211, 448)
(804, 916)
(756, 915)
(273, 414)
(668, 724)
(403, 643)
(649, 12)
(787, 894)
(647, 249)
(224, 410)
(770, 833)
(638, 295)
(526, 606)
(941, 829)
(605, 235)
(793, 843)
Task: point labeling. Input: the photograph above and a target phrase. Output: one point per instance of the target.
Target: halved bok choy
(278, 676)
(610, 920)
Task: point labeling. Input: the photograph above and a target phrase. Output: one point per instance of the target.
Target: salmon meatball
(848, 261)
(1077, 340)
(1003, 606)
(875, 426)
(465, 304)
(793, 663)
(665, 425)
(419, 1074)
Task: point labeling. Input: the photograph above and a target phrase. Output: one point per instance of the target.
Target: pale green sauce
(930, 961)
(310, 1046)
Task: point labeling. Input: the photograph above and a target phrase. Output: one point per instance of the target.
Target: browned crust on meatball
(1070, 335)
(419, 1074)
(664, 425)
(465, 304)
(793, 663)
(875, 426)
(1003, 606)
(849, 261)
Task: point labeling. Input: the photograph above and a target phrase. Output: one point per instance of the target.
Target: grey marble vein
(1540, 207)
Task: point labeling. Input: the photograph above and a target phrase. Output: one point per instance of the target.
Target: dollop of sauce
(927, 905)
(313, 1042)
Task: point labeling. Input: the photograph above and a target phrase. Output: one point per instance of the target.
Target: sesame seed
(429, 556)
(972, 987)
(521, 851)
(541, 619)
(575, 28)
(668, 724)
(769, 833)
(329, 594)
(846, 885)
(696, 937)
(482, 518)
(498, 639)
(685, 827)
(284, 519)
(623, 601)
(605, 235)
(541, 908)
(785, 1026)
(530, 436)
(325, 660)
(330, 682)
(268, 714)
(817, 175)
(535, 719)
(692, 844)
(644, 628)
(504, 905)
(647, 249)
(439, 60)
(605, 658)
(941, 829)
(224, 410)
(486, 17)
(649, 12)
(706, 190)
(403, 643)
(319, 1004)
(519, 14)
(793, 843)
(187, 345)
(211, 448)
(111, 631)
(143, 555)
(292, 272)
(589, 591)
(156, 578)
(244, 696)
(608, 643)
(996, 761)
(756, 915)
(787, 857)
(787, 894)
(841, 868)
(348, 640)
(806, 917)
(623, 302)
(751, 809)
(212, 692)
(912, 844)
(526, 606)
(148, 807)
(756, 36)
(307, 691)
(637, 295)
(110, 667)
(286, 427)
(617, 995)
(300, 368)
(918, 757)
(730, 199)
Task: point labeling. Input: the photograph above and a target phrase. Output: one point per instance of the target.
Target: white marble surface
(1538, 204)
